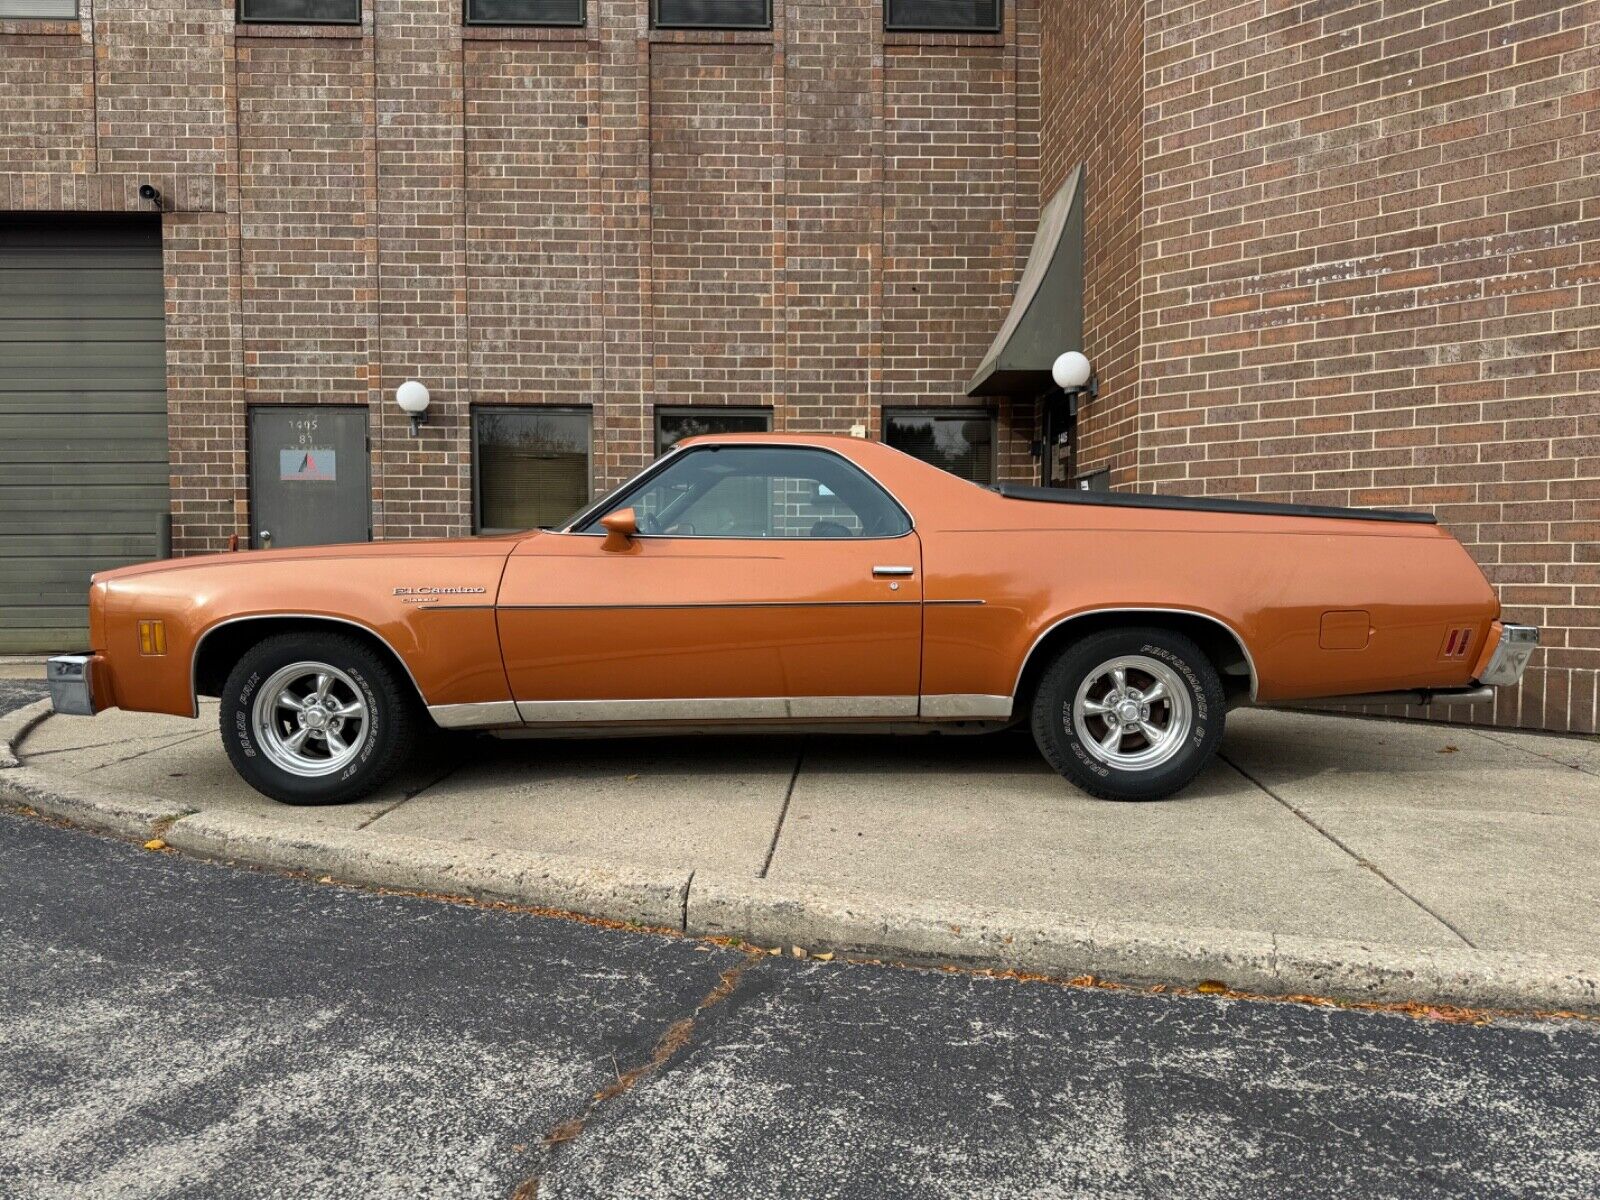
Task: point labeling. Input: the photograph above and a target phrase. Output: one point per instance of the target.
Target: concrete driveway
(1315, 826)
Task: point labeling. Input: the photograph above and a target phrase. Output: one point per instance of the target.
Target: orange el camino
(782, 582)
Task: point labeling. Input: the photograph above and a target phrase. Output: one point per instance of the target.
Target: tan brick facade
(1345, 251)
(1368, 250)
(821, 219)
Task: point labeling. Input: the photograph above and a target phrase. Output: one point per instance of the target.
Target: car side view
(783, 582)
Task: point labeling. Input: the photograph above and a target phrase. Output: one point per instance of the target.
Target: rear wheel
(315, 718)
(1130, 714)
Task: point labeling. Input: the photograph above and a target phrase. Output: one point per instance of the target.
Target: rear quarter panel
(1270, 579)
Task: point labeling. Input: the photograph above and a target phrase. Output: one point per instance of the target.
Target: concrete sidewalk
(1386, 838)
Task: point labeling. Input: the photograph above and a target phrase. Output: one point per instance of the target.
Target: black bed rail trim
(1015, 491)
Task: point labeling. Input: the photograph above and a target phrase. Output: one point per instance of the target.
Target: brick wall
(1093, 76)
(607, 216)
(1370, 274)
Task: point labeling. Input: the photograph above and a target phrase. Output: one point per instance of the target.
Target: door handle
(266, 539)
(892, 572)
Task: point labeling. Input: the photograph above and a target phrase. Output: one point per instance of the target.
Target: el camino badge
(430, 595)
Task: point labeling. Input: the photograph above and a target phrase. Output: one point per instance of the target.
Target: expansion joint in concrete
(1364, 863)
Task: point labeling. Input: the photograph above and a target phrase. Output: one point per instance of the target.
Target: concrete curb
(421, 864)
(1051, 944)
(768, 914)
(16, 725)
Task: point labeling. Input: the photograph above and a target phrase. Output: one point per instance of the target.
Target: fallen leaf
(776, 950)
(827, 957)
(1447, 750)
(631, 778)
(326, 879)
(1210, 987)
(798, 951)
(155, 844)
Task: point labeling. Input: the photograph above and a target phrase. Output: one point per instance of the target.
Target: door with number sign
(309, 476)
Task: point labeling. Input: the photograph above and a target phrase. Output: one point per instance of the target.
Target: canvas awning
(1046, 316)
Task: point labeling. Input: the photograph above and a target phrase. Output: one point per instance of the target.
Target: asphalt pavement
(177, 1028)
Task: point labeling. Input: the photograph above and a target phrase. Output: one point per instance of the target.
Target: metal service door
(310, 480)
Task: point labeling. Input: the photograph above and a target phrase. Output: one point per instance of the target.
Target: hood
(487, 546)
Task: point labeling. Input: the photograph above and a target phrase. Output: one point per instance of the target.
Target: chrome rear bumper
(71, 678)
(1511, 654)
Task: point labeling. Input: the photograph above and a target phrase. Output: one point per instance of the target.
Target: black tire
(360, 676)
(1184, 741)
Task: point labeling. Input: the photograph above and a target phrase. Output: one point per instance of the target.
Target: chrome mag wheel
(310, 719)
(1132, 712)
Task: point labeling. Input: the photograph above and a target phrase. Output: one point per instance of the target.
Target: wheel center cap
(1128, 711)
(316, 718)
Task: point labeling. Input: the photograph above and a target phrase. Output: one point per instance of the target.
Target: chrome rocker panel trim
(720, 709)
(474, 716)
(716, 708)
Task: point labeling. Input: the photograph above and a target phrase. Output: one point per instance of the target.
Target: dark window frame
(963, 412)
(680, 410)
(656, 22)
(478, 410)
(889, 25)
(468, 20)
(242, 19)
(583, 525)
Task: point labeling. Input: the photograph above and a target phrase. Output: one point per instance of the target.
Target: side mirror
(620, 527)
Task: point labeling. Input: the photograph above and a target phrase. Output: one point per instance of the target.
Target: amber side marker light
(152, 637)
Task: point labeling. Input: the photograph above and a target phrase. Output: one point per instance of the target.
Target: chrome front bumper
(1511, 654)
(71, 678)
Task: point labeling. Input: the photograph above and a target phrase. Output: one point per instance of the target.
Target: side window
(761, 492)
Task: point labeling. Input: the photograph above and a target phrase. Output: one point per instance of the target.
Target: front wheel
(1130, 714)
(315, 718)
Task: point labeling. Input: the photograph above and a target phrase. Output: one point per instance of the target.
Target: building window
(958, 440)
(711, 14)
(32, 9)
(530, 466)
(524, 12)
(675, 424)
(301, 12)
(942, 16)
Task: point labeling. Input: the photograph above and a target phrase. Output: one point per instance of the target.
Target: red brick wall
(715, 175)
(47, 81)
(1372, 276)
(606, 216)
(1092, 92)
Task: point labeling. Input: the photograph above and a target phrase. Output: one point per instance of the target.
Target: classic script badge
(429, 595)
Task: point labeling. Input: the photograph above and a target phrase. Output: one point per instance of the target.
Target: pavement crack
(1579, 767)
(179, 741)
(668, 1046)
(783, 812)
(411, 795)
(1365, 863)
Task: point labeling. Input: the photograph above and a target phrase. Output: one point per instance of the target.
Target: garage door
(83, 416)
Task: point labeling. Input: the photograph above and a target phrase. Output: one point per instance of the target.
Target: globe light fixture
(1073, 372)
(412, 397)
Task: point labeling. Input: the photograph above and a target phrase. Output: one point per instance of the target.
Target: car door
(767, 582)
